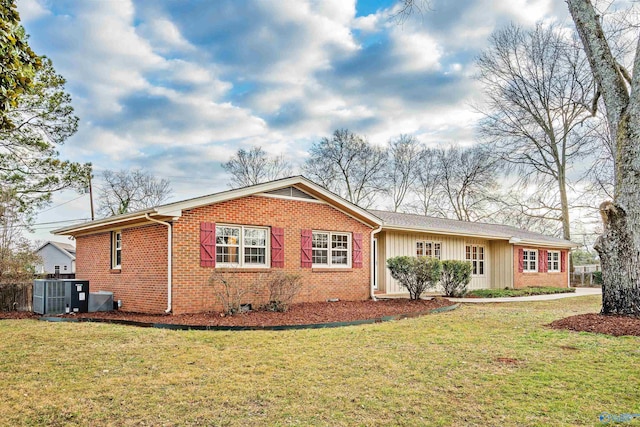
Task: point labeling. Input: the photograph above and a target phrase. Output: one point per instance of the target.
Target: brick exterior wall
(141, 283)
(523, 280)
(193, 294)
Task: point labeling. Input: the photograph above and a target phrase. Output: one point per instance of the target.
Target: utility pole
(91, 197)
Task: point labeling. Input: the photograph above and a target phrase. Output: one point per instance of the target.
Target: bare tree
(404, 161)
(529, 207)
(255, 166)
(539, 93)
(619, 245)
(427, 183)
(348, 165)
(127, 191)
(17, 258)
(467, 182)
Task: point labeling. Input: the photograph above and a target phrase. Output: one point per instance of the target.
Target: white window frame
(329, 248)
(116, 248)
(433, 244)
(526, 263)
(550, 262)
(476, 262)
(241, 247)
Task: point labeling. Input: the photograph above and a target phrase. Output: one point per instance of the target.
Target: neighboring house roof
(174, 210)
(412, 222)
(65, 248)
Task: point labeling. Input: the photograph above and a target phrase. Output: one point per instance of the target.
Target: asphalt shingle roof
(481, 229)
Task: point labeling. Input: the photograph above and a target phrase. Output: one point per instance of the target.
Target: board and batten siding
(397, 243)
(501, 264)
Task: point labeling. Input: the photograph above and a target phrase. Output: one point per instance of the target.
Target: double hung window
(331, 249)
(475, 255)
(241, 246)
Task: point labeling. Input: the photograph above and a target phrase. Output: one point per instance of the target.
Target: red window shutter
(543, 261)
(277, 247)
(357, 250)
(563, 261)
(305, 248)
(207, 244)
(520, 260)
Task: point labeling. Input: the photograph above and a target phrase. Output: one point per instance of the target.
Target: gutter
(372, 291)
(169, 258)
(560, 244)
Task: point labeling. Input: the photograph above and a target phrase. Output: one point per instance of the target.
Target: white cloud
(415, 51)
(31, 10)
(367, 24)
(164, 36)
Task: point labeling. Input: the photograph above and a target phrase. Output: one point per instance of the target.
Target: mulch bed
(601, 324)
(18, 315)
(298, 314)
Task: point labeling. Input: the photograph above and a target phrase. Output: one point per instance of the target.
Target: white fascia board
(297, 181)
(480, 236)
(539, 243)
(101, 222)
(175, 209)
(226, 195)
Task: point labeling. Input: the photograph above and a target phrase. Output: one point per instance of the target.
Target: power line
(51, 224)
(61, 204)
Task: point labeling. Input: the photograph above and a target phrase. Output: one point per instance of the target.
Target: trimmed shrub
(597, 277)
(524, 292)
(415, 274)
(456, 275)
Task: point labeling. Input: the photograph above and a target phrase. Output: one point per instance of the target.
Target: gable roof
(412, 222)
(170, 211)
(65, 248)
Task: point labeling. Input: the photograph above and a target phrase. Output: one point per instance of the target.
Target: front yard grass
(523, 292)
(482, 365)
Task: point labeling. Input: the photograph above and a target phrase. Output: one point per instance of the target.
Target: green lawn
(435, 370)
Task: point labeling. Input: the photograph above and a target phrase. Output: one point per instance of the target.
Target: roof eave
(101, 223)
(174, 210)
(568, 244)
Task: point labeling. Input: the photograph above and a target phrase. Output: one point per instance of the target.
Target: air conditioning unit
(60, 296)
(100, 301)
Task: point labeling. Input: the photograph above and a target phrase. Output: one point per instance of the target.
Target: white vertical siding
(501, 265)
(397, 243)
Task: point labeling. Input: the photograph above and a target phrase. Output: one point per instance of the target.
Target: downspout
(169, 265)
(372, 262)
(568, 267)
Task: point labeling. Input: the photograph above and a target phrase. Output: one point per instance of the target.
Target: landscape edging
(179, 327)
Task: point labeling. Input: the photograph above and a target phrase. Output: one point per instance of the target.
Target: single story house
(160, 259)
(58, 259)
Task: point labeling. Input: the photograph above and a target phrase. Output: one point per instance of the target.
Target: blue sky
(176, 87)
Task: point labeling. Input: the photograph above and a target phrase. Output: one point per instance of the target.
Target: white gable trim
(297, 199)
(176, 209)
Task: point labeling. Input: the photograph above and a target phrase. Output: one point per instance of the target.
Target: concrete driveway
(580, 292)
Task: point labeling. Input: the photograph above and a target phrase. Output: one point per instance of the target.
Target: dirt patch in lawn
(507, 360)
(298, 314)
(18, 315)
(601, 324)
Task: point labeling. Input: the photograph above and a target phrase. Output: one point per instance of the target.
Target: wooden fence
(582, 275)
(16, 296)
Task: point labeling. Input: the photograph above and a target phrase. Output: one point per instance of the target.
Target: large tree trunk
(619, 245)
(564, 205)
(618, 252)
